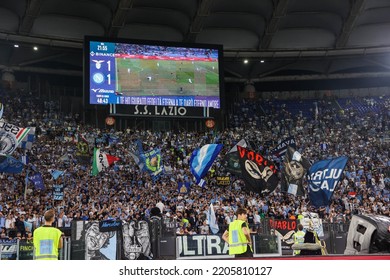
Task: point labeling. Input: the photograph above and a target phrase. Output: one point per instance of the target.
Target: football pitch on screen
(167, 77)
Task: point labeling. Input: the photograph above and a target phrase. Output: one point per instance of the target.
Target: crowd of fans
(122, 191)
(164, 51)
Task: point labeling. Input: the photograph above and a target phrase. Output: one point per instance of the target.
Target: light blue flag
(28, 226)
(56, 173)
(212, 220)
(1, 110)
(323, 177)
(202, 159)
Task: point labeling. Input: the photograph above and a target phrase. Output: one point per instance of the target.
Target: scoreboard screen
(152, 73)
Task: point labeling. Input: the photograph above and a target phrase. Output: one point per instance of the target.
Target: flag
(232, 159)
(259, 173)
(8, 142)
(112, 139)
(202, 183)
(13, 136)
(101, 160)
(183, 187)
(202, 159)
(25, 159)
(1, 110)
(281, 149)
(323, 146)
(8, 164)
(37, 180)
(82, 146)
(56, 173)
(137, 160)
(323, 177)
(25, 185)
(152, 161)
(212, 220)
(28, 139)
(28, 226)
(294, 169)
(139, 146)
(64, 158)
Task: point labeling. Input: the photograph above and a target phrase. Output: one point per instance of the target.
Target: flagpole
(25, 185)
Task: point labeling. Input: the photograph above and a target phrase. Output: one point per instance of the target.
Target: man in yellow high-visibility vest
(299, 238)
(47, 239)
(238, 236)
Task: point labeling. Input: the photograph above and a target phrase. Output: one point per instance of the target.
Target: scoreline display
(129, 73)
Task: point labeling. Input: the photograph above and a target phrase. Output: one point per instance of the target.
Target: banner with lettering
(58, 192)
(110, 225)
(192, 246)
(26, 250)
(285, 229)
(281, 149)
(8, 249)
(258, 172)
(323, 177)
(223, 180)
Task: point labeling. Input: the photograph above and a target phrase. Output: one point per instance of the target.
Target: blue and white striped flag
(202, 159)
(202, 183)
(1, 110)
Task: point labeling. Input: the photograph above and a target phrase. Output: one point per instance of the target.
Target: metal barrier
(167, 245)
(24, 249)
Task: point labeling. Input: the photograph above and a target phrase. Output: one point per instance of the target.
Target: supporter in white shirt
(161, 206)
(9, 222)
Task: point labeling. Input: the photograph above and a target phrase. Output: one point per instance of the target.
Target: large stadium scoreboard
(153, 79)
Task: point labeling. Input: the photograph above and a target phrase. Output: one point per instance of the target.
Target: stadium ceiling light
(262, 61)
(246, 61)
(35, 48)
(16, 46)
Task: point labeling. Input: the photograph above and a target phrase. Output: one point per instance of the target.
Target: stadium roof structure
(283, 40)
